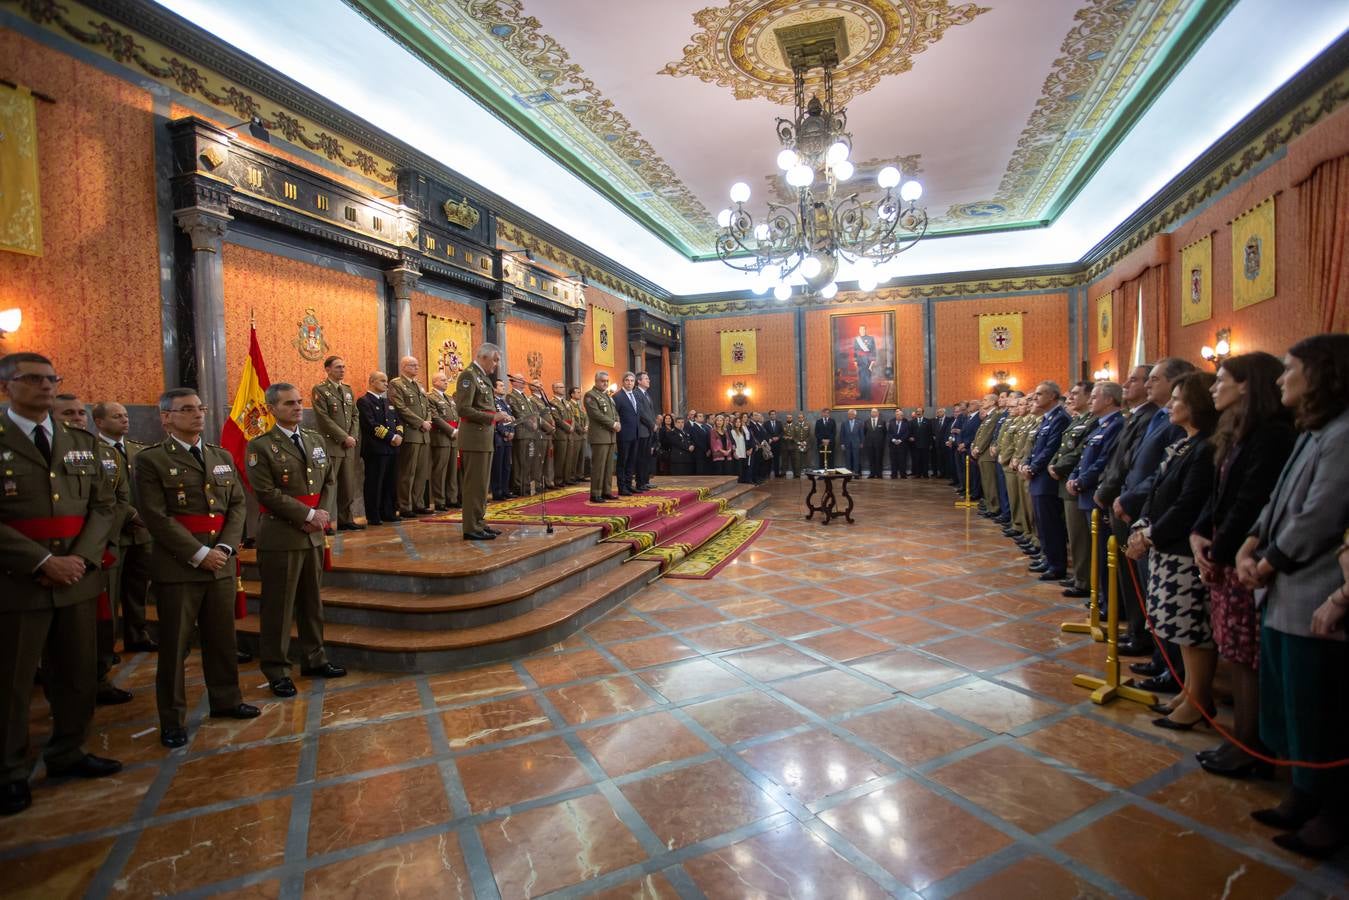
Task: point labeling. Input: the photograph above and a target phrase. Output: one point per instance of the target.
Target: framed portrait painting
(863, 349)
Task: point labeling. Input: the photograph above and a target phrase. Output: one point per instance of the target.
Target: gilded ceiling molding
(1324, 102)
(128, 48)
(735, 46)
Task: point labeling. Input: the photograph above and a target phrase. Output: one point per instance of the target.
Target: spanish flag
(249, 417)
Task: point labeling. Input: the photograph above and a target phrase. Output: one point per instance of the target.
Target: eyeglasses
(191, 409)
(34, 379)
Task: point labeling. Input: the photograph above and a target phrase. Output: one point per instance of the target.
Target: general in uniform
(526, 436)
(56, 510)
(478, 414)
(601, 428)
(129, 578)
(408, 399)
(577, 444)
(562, 431)
(192, 501)
(293, 481)
(444, 444)
(335, 413)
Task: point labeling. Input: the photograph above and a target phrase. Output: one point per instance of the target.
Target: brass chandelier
(805, 242)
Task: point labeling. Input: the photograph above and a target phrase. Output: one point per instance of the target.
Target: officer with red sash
(293, 480)
(192, 501)
(56, 510)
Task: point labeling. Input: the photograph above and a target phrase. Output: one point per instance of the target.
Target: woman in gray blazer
(1291, 555)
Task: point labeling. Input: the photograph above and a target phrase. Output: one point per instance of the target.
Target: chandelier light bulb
(887, 177)
(787, 158)
(739, 192)
(866, 282)
(761, 232)
(1223, 348)
(911, 191)
(810, 266)
(829, 291)
(799, 176)
(783, 291)
(762, 284)
(724, 218)
(843, 170)
(837, 153)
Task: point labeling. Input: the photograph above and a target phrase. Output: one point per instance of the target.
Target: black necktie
(298, 444)
(43, 445)
(120, 449)
(196, 454)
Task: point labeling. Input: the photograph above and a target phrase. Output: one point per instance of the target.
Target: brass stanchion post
(1093, 624)
(1103, 690)
(967, 503)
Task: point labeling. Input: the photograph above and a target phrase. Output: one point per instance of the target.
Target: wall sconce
(255, 128)
(1221, 349)
(1002, 376)
(1103, 373)
(738, 393)
(10, 320)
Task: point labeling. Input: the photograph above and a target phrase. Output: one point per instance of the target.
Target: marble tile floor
(881, 709)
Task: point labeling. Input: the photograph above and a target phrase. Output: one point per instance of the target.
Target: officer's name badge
(222, 469)
(252, 459)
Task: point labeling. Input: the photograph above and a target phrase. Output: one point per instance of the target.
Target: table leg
(830, 502)
(811, 509)
(847, 513)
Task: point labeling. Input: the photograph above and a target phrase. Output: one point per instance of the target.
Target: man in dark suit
(754, 448)
(381, 435)
(826, 439)
(775, 432)
(920, 443)
(503, 438)
(629, 418)
(965, 468)
(941, 430)
(646, 432)
(700, 436)
(850, 441)
(897, 437)
(952, 439)
(1044, 490)
(873, 443)
(864, 355)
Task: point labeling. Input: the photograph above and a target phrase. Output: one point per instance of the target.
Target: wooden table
(829, 501)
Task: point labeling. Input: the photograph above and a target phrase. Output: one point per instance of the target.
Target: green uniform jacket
(75, 484)
(170, 483)
(1026, 441)
(477, 409)
(335, 411)
(1070, 450)
(124, 533)
(408, 398)
(984, 436)
(279, 474)
(523, 408)
(600, 417)
(443, 412)
(580, 421)
(545, 412)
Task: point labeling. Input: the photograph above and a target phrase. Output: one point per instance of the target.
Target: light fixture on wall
(738, 393)
(256, 128)
(10, 320)
(1002, 376)
(1221, 349)
(1103, 373)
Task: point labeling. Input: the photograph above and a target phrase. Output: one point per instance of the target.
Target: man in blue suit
(826, 439)
(629, 419)
(1044, 491)
(850, 440)
(965, 468)
(1106, 399)
(952, 439)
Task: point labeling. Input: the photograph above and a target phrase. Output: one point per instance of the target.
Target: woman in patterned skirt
(1254, 437)
(1177, 597)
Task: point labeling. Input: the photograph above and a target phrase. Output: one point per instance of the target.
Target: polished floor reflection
(882, 709)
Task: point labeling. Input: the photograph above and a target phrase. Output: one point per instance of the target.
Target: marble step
(415, 650)
(432, 610)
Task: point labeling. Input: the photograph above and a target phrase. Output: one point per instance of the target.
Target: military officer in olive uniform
(129, 578)
(293, 481)
(1061, 467)
(478, 415)
(579, 430)
(336, 415)
(562, 432)
(543, 466)
(408, 399)
(444, 444)
(601, 433)
(797, 436)
(526, 431)
(1024, 444)
(56, 510)
(192, 500)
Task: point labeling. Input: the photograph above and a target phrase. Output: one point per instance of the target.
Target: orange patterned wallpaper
(450, 309)
(91, 302)
(773, 385)
(525, 336)
(910, 352)
(622, 356)
(278, 290)
(959, 376)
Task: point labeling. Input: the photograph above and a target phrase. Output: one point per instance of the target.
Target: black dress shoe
(1051, 576)
(1303, 846)
(113, 696)
(1077, 593)
(1230, 762)
(610, 496)
(243, 656)
(1039, 567)
(1147, 669)
(425, 511)
(490, 530)
(407, 515)
(441, 507)
(1131, 647)
(144, 645)
(373, 523)
(90, 766)
(242, 711)
(283, 687)
(15, 797)
(594, 499)
(327, 670)
(173, 738)
(1160, 684)
(350, 526)
(1010, 532)
(1069, 582)
(479, 536)
(1294, 811)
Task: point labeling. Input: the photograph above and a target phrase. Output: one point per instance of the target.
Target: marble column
(499, 309)
(676, 383)
(638, 349)
(402, 281)
(573, 332)
(206, 230)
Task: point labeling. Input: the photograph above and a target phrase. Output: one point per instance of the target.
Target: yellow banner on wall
(739, 351)
(602, 328)
(20, 205)
(1253, 256)
(1000, 338)
(1196, 281)
(1105, 323)
(449, 347)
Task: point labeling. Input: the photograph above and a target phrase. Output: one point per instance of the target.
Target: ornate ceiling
(1003, 110)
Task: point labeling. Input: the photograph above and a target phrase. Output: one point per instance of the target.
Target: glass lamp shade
(911, 191)
(837, 153)
(810, 267)
(787, 158)
(783, 291)
(724, 218)
(829, 291)
(800, 175)
(887, 177)
(10, 320)
(843, 170)
(761, 232)
(739, 192)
